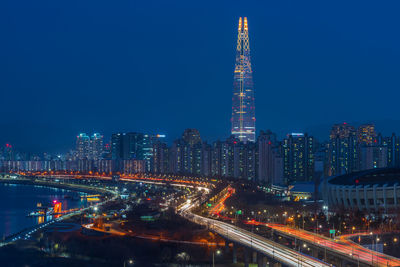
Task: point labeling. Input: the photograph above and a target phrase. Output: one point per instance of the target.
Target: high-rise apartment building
(191, 136)
(373, 157)
(228, 157)
(186, 153)
(127, 146)
(90, 148)
(233, 159)
(161, 158)
(216, 159)
(139, 146)
(243, 108)
(366, 134)
(180, 161)
(342, 150)
(341, 130)
(96, 146)
(298, 158)
(245, 161)
(393, 149)
(83, 146)
(7, 152)
(206, 159)
(270, 169)
(148, 150)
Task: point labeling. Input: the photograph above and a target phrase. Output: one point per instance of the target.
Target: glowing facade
(243, 109)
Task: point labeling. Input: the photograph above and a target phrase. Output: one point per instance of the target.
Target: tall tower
(243, 109)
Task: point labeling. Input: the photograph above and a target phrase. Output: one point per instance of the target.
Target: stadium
(374, 191)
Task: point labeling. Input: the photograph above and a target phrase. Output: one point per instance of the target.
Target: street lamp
(130, 262)
(372, 250)
(300, 262)
(218, 252)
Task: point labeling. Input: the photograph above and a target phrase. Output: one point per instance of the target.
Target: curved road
(267, 247)
(342, 246)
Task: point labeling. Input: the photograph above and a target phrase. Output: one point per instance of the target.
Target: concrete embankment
(25, 233)
(69, 186)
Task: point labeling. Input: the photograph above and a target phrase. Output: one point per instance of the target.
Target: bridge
(267, 249)
(341, 252)
(351, 253)
(161, 179)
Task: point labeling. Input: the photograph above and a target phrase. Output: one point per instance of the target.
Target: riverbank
(31, 181)
(62, 185)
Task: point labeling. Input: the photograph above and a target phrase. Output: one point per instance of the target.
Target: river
(18, 200)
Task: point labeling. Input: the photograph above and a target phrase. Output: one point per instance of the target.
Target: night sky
(163, 66)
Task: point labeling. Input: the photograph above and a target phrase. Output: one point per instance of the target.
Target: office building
(243, 108)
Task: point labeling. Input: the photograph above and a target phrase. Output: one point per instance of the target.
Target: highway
(267, 247)
(187, 182)
(340, 246)
(344, 247)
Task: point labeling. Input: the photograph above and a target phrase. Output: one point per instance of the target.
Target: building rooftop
(380, 177)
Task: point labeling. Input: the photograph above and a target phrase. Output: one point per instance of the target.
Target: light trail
(267, 247)
(340, 246)
(136, 177)
(344, 247)
(284, 254)
(220, 206)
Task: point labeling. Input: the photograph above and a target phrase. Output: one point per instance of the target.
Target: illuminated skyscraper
(191, 136)
(366, 134)
(298, 158)
(96, 146)
(343, 150)
(83, 146)
(243, 109)
(343, 130)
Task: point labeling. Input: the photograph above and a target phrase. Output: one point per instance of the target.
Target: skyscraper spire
(243, 109)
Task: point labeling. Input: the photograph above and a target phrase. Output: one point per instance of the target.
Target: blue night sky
(163, 66)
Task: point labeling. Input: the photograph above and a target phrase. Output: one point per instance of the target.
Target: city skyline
(322, 134)
(293, 59)
(297, 158)
(129, 135)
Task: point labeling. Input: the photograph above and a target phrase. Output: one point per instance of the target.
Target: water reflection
(17, 202)
(40, 219)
